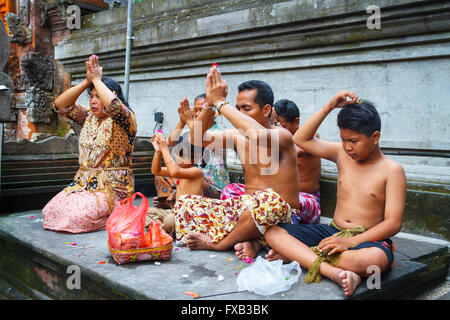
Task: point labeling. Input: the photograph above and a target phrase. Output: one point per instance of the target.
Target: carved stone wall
(35, 27)
(20, 31)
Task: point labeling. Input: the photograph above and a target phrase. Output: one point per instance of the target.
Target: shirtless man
(309, 166)
(370, 200)
(221, 224)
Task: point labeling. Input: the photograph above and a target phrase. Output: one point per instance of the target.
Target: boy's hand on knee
(334, 244)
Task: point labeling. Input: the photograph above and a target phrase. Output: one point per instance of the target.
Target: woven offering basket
(141, 254)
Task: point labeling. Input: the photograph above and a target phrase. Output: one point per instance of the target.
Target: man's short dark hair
(287, 109)
(203, 95)
(360, 117)
(264, 93)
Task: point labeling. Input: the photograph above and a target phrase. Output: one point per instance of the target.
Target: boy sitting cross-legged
(371, 195)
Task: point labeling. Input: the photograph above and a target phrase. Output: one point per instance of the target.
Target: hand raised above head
(93, 69)
(216, 87)
(185, 112)
(343, 98)
(161, 141)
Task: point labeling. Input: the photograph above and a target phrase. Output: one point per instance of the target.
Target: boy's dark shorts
(313, 234)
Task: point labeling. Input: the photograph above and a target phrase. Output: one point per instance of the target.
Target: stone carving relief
(38, 105)
(19, 32)
(43, 12)
(24, 11)
(37, 71)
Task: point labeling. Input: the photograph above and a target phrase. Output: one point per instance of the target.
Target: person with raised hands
(268, 159)
(215, 171)
(371, 192)
(106, 145)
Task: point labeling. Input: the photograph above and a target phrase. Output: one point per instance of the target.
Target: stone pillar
(6, 84)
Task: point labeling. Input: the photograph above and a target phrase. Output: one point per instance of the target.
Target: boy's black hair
(112, 85)
(360, 117)
(287, 109)
(264, 93)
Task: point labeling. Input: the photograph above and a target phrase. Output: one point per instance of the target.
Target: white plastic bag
(268, 277)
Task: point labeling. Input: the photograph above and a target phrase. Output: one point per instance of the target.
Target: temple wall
(306, 50)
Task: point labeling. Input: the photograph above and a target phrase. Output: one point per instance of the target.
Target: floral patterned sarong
(217, 218)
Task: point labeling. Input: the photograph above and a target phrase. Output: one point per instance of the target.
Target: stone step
(37, 170)
(41, 263)
(15, 181)
(44, 169)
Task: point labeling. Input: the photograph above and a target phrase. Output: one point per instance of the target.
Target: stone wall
(26, 57)
(307, 50)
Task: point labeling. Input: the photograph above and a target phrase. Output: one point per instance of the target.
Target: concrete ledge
(35, 260)
(426, 213)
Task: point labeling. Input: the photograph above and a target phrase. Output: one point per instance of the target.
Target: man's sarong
(217, 218)
(309, 211)
(233, 190)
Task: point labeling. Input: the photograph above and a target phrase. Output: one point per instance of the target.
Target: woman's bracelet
(217, 108)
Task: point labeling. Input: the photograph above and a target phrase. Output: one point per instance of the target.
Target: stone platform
(40, 264)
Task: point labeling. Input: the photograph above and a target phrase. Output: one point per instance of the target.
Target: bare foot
(348, 280)
(274, 255)
(199, 241)
(247, 249)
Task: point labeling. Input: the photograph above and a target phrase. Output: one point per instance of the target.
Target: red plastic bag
(126, 224)
(156, 236)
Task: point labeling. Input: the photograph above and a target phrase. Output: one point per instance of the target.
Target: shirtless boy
(221, 224)
(190, 177)
(371, 193)
(309, 166)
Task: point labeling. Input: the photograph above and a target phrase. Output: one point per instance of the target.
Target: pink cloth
(234, 190)
(309, 211)
(77, 212)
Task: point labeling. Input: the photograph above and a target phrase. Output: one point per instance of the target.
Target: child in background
(190, 176)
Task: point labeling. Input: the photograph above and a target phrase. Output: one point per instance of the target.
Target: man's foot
(274, 255)
(199, 241)
(247, 249)
(348, 280)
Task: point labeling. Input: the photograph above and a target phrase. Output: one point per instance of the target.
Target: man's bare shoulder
(392, 167)
(283, 134)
